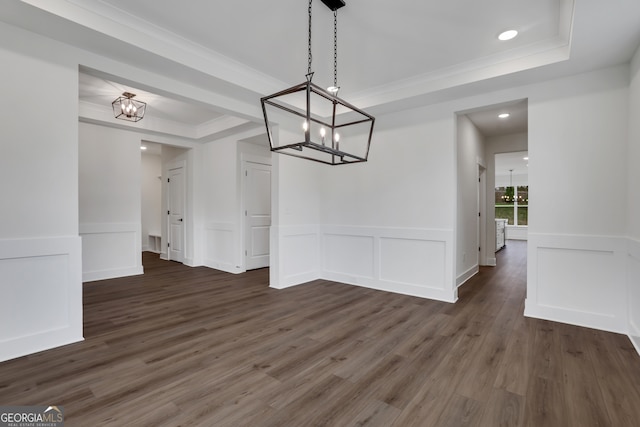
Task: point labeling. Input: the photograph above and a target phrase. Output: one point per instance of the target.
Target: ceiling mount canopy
(127, 108)
(334, 4)
(316, 124)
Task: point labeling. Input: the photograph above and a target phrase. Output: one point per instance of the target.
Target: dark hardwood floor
(186, 346)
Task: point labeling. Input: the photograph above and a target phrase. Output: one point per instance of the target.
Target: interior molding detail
(220, 243)
(462, 278)
(295, 255)
(417, 262)
(43, 277)
(633, 291)
(577, 279)
(110, 250)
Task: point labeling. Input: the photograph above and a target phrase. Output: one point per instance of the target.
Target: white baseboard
(462, 279)
(92, 276)
(603, 322)
(295, 280)
(223, 266)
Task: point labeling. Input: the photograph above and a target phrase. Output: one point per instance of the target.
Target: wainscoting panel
(633, 291)
(403, 261)
(349, 255)
(110, 250)
(41, 288)
(416, 262)
(294, 255)
(577, 280)
(220, 247)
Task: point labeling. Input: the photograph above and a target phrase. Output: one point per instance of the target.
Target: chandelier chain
(335, 48)
(310, 55)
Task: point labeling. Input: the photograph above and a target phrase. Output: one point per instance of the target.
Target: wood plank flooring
(186, 346)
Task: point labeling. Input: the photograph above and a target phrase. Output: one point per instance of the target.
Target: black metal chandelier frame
(127, 108)
(326, 150)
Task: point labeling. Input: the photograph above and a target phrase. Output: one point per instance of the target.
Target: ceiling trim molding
(124, 27)
(120, 25)
(98, 114)
(535, 55)
(218, 125)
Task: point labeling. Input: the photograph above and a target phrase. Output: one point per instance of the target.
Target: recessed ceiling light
(507, 35)
(525, 158)
(504, 115)
(143, 147)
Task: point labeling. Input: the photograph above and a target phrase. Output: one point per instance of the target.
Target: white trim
(28, 254)
(441, 241)
(464, 277)
(133, 265)
(295, 255)
(112, 273)
(227, 265)
(301, 257)
(633, 305)
(578, 296)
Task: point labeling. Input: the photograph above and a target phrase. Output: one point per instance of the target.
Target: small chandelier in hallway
(127, 108)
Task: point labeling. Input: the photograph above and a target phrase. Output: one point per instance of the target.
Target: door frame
(251, 158)
(482, 214)
(168, 167)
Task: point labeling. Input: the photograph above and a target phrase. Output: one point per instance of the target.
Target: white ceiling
(97, 90)
(489, 124)
(515, 162)
(391, 54)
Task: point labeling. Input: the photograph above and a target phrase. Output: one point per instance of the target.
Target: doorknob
(180, 220)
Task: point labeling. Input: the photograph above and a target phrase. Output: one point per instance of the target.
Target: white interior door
(176, 211)
(257, 214)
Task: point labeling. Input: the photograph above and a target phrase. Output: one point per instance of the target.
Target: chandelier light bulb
(336, 137)
(305, 126)
(323, 132)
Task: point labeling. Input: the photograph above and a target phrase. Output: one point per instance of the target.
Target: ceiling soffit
(426, 69)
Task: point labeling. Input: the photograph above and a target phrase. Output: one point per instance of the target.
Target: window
(512, 204)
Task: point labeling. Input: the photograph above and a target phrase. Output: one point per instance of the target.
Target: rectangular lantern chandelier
(316, 124)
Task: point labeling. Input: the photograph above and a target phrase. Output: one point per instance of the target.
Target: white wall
(151, 192)
(109, 195)
(633, 215)
(295, 221)
(222, 199)
(40, 251)
(576, 253)
(470, 156)
(385, 224)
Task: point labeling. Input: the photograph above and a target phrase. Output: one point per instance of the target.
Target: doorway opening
(511, 197)
(164, 189)
(482, 133)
